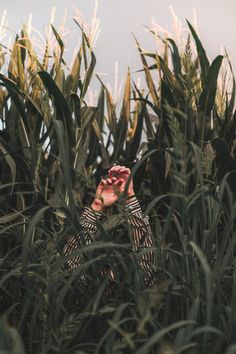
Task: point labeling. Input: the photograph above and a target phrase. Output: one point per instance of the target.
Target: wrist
(130, 197)
(130, 191)
(97, 205)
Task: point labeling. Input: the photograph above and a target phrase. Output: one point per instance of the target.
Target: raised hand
(122, 174)
(107, 193)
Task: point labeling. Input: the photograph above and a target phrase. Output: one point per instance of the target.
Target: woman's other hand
(123, 176)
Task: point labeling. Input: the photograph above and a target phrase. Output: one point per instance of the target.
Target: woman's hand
(107, 193)
(122, 174)
(109, 189)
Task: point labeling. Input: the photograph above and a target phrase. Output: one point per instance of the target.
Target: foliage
(54, 148)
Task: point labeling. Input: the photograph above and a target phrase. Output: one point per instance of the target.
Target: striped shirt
(141, 237)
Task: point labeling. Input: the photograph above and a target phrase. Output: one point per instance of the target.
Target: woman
(119, 181)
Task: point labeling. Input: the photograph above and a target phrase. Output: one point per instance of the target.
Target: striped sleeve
(89, 227)
(141, 234)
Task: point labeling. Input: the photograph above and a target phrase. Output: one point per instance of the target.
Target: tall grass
(54, 147)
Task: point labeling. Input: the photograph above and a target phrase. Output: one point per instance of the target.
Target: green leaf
(88, 76)
(209, 280)
(156, 337)
(204, 62)
(207, 98)
(88, 115)
(75, 108)
(65, 159)
(173, 83)
(11, 163)
(16, 95)
(59, 40)
(28, 238)
(176, 60)
(135, 142)
(149, 80)
(10, 340)
(62, 109)
(125, 115)
(10, 217)
(73, 79)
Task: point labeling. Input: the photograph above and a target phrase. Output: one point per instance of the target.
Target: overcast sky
(119, 18)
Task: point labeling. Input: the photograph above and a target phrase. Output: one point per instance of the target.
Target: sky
(120, 18)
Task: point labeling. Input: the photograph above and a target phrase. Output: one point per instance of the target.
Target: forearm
(142, 238)
(89, 220)
(140, 227)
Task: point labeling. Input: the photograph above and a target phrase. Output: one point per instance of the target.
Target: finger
(125, 169)
(109, 181)
(114, 171)
(111, 172)
(115, 168)
(113, 179)
(103, 181)
(124, 173)
(119, 169)
(118, 182)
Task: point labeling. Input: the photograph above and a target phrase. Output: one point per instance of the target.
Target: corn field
(54, 147)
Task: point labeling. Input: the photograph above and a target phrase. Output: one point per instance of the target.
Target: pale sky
(119, 18)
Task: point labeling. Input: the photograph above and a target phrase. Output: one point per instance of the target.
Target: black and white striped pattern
(140, 232)
(88, 223)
